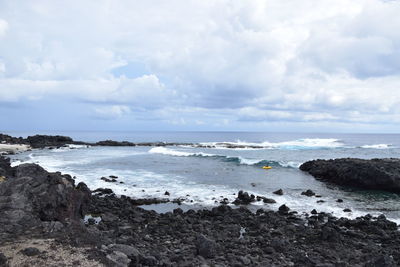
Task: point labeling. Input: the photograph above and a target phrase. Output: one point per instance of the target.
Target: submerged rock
(375, 174)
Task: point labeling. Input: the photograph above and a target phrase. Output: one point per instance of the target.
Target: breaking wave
(377, 146)
(307, 143)
(238, 160)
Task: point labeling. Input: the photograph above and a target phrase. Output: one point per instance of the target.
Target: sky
(210, 65)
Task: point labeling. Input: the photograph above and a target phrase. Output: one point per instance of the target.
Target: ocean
(204, 176)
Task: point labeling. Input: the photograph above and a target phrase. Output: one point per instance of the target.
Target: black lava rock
(374, 174)
(308, 193)
(278, 192)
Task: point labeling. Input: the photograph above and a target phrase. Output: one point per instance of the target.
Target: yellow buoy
(267, 167)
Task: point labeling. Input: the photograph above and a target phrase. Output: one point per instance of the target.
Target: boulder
(374, 174)
(244, 198)
(308, 193)
(205, 247)
(278, 192)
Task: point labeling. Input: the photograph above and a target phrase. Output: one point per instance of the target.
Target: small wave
(299, 144)
(377, 146)
(238, 160)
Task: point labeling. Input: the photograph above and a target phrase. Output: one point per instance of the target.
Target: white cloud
(304, 60)
(3, 27)
(112, 112)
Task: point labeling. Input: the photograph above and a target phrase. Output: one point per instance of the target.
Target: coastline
(103, 229)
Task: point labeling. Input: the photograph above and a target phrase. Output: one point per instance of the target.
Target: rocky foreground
(42, 224)
(374, 174)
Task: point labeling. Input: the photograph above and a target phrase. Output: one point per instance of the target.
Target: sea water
(204, 176)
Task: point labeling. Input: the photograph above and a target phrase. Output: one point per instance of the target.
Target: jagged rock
(244, 198)
(375, 174)
(32, 196)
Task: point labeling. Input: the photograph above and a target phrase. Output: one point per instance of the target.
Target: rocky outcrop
(32, 198)
(41, 141)
(375, 174)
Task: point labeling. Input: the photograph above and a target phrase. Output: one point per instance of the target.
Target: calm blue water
(202, 176)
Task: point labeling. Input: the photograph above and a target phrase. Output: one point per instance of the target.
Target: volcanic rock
(375, 174)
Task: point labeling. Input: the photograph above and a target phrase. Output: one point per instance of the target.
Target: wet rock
(284, 209)
(278, 192)
(347, 210)
(320, 201)
(108, 180)
(339, 200)
(205, 247)
(266, 200)
(31, 251)
(308, 193)
(103, 191)
(244, 198)
(166, 193)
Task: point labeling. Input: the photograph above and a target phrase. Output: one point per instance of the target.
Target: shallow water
(203, 176)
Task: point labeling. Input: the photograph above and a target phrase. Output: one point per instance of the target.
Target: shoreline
(119, 233)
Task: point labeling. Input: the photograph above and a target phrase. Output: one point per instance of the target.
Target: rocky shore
(374, 174)
(43, 141)
(47, 220)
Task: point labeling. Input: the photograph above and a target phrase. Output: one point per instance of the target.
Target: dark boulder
(278, 192)
(244, 198)
(375, 174)
(205, 247)
(266, 200)
(284, 209)
(308, 193)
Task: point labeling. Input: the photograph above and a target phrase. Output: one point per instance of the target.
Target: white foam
(171, 152)
(290, 164)
(246, 161)
(306, 143)
(377, 146)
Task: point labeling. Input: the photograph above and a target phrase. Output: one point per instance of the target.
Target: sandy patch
(7, 148)
(51, 254)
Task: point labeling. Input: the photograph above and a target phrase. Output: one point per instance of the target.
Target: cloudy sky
(260, 65)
